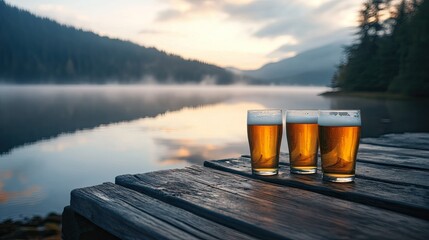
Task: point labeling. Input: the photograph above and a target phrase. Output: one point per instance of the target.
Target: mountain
(39, 50)
(312, 67)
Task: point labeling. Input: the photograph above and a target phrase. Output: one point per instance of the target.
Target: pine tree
(390, 55)
(360, 71)
(413, 78)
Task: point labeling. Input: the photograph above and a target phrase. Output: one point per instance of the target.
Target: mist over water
(57, 138)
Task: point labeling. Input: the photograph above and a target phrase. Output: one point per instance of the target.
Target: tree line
(39, 50)
(391, 52)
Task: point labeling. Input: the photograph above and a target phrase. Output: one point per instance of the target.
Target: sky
(244, 34)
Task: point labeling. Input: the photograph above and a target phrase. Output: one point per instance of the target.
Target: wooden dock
(223, 200)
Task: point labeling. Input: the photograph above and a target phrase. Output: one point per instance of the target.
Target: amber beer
(339, 134)
(264, 132)
(303, 140)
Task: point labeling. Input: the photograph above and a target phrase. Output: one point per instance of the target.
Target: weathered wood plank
(128, 214)
(392, 174)
(397, 151)
(76, 227)
(392, 159)
(410, 158)
(391, 156)
(410, 200)
(383, 173)
(271, 211)
(418, 141)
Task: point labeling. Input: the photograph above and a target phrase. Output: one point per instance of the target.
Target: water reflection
(7, 177)
(381, 116)
(61, 138)
(209, 132)
(31, 113)
(89, 157)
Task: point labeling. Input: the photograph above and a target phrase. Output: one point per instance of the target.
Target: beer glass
(303, 140)
(264, 132)
(339, 133)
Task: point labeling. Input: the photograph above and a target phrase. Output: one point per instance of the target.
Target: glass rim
(339, 110)
(305, 116)
(265, 110)
(302, 111)
(339, 118)
(267, 116)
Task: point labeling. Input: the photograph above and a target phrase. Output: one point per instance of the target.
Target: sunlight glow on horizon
(245, 34)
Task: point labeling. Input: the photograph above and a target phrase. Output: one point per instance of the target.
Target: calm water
(57, 138)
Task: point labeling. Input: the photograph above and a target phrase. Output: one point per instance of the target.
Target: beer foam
(301, 119)
(340, 119)
(264, 117)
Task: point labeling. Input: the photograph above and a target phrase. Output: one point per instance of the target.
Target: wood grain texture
(389, 156)
(418, 141)
(391, 159)
(410, 200)
(128, 214)
(393, 174)
(381, 172)
(270, 211)
(76, 227)
(393, 156)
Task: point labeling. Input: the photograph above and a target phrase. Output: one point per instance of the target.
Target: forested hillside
(311, 67)
(391, 53)
(39, 50)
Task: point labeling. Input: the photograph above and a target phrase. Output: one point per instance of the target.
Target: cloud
(170, 14)
(240, 33)
(299, 28)
(304, 21)
(183, 9)
(259, 10)
(150, 31)
(342, 35)
(293, 18)
(67, 15)
(333, 6)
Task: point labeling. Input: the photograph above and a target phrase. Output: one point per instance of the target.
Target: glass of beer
(339, 134)
(264, 131)
(303, 140)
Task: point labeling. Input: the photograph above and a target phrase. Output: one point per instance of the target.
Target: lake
(57, 138)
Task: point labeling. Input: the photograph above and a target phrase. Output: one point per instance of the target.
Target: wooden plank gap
(342, 191)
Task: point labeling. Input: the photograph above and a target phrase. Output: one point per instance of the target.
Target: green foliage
(35, 50)
(389, 55)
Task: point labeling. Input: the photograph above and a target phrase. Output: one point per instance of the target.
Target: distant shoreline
(376, 95)
(36, 227)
